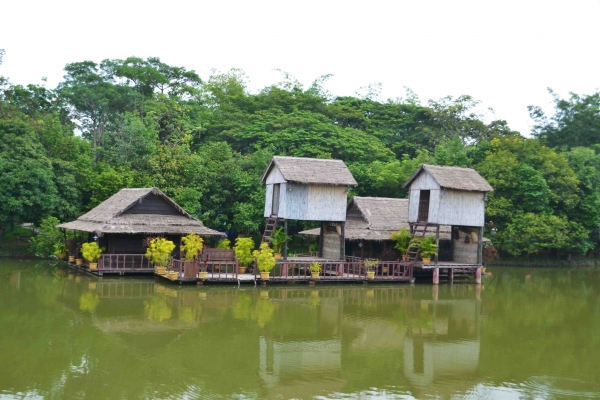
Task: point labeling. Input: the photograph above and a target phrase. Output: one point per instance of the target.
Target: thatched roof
(375, 218)
(311, 170)
(111, 217)
(454, 178)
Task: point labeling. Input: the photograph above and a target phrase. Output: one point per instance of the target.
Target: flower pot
(277, 256)
(370, 274)
(203, 275)
(79, 262)
(61, 256)
(314, 275)
(384, 270)
(93, 266)
(172, 275)
(264, 275)
(242, 270)
(426, 260)
(160, 270)
(71, 259)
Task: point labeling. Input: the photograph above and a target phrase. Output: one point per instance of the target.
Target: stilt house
(309, 189)
(450, 196)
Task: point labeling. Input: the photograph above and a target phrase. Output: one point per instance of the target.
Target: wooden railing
(124, 262)
(215, 269)
(340, 270)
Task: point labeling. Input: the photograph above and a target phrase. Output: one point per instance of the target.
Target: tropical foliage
(91, 251)
(140, 122)
(243, 250)
(159, 251)
(192, 245)
(265, 260)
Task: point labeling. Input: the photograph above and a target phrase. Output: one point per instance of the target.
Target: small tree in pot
(243, 251)
(315, 270)
(265, 261)
(402, 239)
(428, 248)
(278, 240)
(370, 265)
(91, 252)
(159, 253)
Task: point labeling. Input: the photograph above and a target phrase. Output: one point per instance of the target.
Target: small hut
(121, 222)
(369, 223)
(309, 189)
(452, 196)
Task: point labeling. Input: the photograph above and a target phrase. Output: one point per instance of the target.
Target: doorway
(424, 197)
(275, 203)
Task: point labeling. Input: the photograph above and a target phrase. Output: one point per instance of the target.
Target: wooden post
(451, 274)
(480, 247)
(436, 276)
(321, 240)
(285, 245)
(343, 242)
(478, 275)
(437, 244)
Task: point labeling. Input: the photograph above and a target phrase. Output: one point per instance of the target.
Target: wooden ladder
(412, 253)
(270, 227)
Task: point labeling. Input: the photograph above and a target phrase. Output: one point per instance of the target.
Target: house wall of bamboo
(465, 250)
(331, 242)
(446, 206)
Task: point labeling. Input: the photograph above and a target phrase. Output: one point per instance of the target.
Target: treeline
(141, 123)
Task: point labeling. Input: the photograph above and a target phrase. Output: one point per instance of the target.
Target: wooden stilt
(343, 242)
(436, 276)
(451, 274)
(478, 275)
(285, 244)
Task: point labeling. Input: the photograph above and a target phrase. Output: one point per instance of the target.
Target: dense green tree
(576, 121)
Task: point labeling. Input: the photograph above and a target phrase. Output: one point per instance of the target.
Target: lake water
(522, 334)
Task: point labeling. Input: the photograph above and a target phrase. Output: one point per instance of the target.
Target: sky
(503, 53)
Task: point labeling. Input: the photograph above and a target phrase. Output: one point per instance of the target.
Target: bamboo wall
(465, 252)
(331, 244)
(446, 206)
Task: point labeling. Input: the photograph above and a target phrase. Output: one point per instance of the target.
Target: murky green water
(523, 334)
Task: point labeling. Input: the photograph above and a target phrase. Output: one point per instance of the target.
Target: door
(424, 205)
(275, 203)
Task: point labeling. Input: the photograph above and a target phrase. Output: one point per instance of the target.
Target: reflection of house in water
(443, 348)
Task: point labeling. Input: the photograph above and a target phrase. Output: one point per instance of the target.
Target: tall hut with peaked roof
(440, 195)
(123, 221)
(309, 189)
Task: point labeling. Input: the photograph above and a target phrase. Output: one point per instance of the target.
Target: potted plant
(60, 250)
(402, 239)
(72, 249)
(243, 251)
(159, 252)
(315, 270)
(278, 240)
(265, 261)
(370, 265)
(428, 248)
(91, 252)
(203, 274)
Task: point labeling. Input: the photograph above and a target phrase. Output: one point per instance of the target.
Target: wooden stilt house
(309, 189)
(451, 196)
(122, 222)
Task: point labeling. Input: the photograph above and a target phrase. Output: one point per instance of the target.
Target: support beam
(437, 244)
(343, 242)
(451, 274)
(285, 244)
(480, 246)
(478, 275)
(436, 276)
(321, 240)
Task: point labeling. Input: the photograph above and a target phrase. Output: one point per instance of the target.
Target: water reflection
(151, 339)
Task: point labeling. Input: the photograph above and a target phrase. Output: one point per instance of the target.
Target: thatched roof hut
(453, 178)
(139, 211)
(311, 171)
(375, 218)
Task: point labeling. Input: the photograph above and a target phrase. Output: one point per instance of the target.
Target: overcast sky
(504, 53)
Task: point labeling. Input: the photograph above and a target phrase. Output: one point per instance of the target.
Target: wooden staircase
(419, 232)
(270, 227)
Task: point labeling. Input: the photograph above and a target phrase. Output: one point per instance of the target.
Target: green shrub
(243, 250)
(91, 252)
(224, 244)
(159, 251)
(265, 260)
(43, 243)
(192, 245)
